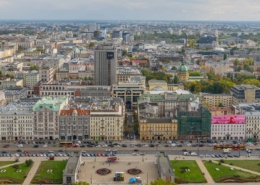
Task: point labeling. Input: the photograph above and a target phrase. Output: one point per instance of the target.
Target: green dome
(183, 68)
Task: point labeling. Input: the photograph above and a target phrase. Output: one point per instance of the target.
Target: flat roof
(72, 164)
(164, 163)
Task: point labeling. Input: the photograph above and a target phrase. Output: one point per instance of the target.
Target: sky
(206, 10)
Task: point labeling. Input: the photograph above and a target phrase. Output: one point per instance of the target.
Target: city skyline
(186, 10)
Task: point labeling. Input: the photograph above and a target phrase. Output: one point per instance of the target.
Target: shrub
(258, 164)
(222, 161)
(16, 167)
(28, 162)
(237, 176)
(219, 163)
(210, 161)
(231, 164)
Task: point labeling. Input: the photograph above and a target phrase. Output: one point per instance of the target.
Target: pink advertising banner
(228, 119)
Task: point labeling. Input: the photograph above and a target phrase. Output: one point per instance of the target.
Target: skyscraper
(92, 27)
(105, 65)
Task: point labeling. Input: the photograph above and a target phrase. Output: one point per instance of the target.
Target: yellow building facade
(158, 129)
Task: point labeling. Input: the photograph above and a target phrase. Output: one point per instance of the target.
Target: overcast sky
(229, 10)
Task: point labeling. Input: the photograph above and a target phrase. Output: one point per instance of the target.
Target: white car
(44, 146)
(17, 155)
(20, 146)
(98, 146)
(135, 154)
(104, 146)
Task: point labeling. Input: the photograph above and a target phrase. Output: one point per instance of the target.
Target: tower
(183, 73)
(105, 65)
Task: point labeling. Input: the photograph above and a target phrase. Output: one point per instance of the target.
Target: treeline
(156, 75)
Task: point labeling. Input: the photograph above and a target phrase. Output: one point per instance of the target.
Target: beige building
(245, 94)
(183, 73)
(46, 74)
(107, 119)
(215, 111)
(158, 129)
(124, 73)
(4, 53)
(12, 83)
(157, 83)
(31, 78)
(62, 74)
(214, 100)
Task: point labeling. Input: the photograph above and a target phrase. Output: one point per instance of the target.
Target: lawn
(49, 172)
(225, 174)
(193, 176)
(253, 165)
(4, 163)
(13, 177)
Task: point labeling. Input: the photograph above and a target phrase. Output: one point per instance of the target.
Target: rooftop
(72, 164)
(50, 103)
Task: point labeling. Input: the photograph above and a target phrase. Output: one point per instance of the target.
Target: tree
(124, 52)
(34, 67)
(225, 56)
(126, 130)
(91, 45)
(162, 182)
(236, 62)
(81, 183)
(176, 79)
(29, 162)
(174, 68)
(220, 104)
(258, 69)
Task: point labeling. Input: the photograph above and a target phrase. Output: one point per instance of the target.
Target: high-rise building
(117, 34)
(92, 27)
(105, 64)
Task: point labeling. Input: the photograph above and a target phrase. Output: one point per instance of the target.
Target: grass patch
(225, 174)
(193, 176)
(55, 177)
(13, 177)
(4, 163)
(253, 165)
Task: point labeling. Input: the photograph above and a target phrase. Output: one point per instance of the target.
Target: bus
(66, 143)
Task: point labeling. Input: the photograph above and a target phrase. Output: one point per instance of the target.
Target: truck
(226, 151)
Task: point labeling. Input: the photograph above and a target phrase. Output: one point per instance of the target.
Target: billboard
(228, 119)
(110, 55)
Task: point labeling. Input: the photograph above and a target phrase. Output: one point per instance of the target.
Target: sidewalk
(205, 171)
(31, 173)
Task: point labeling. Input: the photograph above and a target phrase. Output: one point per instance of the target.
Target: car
(142, 154)
(136, 150)
(5, 146)
(135, 154)
(35, 146)
(124, 145)
(166, 145)
(20, 146)
(4, 152)
(231, 156)
(236, 156)
(82, 146)
(90, 145)
(44, 146)
(179, 145)
(60, 150)
(103, 155)
(213, 156)
(18, 150)
(151, 145)
(184, 150)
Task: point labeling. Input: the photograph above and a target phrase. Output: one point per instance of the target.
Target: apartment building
(107, 119)
(46, 117)
(12, 83)
(74, 122)
(17, 120)
(124, 73)
(46, 74)
(158, 129)
(252, 129)
(214, 100)
(14, 93)
(31, 78)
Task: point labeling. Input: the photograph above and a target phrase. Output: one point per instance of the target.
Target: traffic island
(223, 174)
(187, 172)
(49, 172)
(14, 174)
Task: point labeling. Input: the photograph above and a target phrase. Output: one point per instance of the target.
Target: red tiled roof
(70, 111)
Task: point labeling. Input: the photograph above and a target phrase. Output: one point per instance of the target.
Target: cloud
(131, 9)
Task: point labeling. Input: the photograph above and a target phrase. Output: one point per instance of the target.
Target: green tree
(236, 62)
(81, 183)
(34, 67)
(29, 162)
(220, 104)
(162, 182)
(258, 69)
(124, 52)
(176, 79)
(174, 68)
(91, 45)
(194, 73)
